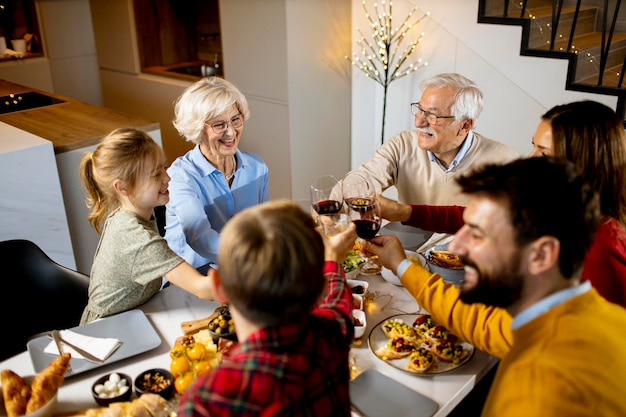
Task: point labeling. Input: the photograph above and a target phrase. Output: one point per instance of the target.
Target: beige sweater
(401, 162)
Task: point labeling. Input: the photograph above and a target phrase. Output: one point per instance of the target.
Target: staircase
(586, 35)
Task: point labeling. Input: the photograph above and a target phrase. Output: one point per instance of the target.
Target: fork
(54, 334)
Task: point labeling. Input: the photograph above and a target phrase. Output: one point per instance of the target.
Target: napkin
(100, 347)
(435, 239)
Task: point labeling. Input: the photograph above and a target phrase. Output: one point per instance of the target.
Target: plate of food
(446, 264)
(417, 344)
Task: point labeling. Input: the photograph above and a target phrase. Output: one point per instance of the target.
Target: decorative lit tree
(385, 56)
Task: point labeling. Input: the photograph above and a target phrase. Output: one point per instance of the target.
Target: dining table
(173, 306)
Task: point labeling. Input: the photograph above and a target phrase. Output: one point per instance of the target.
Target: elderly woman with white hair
(215, 179)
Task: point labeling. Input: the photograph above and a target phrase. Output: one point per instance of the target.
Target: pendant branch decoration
(384, 57)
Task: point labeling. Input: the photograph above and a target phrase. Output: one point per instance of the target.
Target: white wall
(286, 57)
(517, 89)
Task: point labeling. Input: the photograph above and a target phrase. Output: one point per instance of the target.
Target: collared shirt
(201, 202)
(548, 304)
(465, 147)
(296, 369)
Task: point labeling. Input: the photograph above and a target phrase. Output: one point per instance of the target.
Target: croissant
(15, 392)
(46, 383)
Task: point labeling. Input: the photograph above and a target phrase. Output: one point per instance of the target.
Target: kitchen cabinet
(71, 128)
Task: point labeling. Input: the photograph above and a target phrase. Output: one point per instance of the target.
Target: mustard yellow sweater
(487, 328)
(567, 362)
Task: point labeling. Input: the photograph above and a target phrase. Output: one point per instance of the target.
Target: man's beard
(500, 289)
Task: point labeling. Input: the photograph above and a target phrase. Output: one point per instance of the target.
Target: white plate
(377, 339)
(131, 327)
(376, 395)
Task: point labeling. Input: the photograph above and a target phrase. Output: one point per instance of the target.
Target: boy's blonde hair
(271, 263)
(125, 154)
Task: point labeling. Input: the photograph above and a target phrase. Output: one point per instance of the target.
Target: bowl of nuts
(156, 381)
(222, 326)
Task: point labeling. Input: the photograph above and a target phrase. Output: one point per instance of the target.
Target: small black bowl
(227, 336)
(216, 336)
(99, 386)
(156, 381)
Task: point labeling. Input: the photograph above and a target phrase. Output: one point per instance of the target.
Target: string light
(385, 56)
(592, 60)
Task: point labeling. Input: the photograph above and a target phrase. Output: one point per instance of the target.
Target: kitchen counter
(31, 196)
(69, 125)
(70, 128)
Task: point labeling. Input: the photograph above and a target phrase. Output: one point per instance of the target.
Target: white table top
(172, 306)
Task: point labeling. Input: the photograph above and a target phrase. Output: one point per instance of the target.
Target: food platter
(378, 339)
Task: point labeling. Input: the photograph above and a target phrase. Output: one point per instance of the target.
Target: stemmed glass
(364, 211)
(357, 185)
(326, 195)
(333, 224)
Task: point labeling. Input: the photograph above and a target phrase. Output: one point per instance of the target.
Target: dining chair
(159, 215)
(37, 295)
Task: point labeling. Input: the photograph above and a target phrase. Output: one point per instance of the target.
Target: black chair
(159, 215)
(38, 295)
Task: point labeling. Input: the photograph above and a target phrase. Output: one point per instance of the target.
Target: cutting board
(194, 326)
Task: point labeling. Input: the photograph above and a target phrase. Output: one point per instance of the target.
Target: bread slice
(450, 352)
(439, 334)
(423, 323)
(420, 360)
(398, 328)
(396, 348)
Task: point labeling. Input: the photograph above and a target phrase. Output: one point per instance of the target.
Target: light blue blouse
(201, 202)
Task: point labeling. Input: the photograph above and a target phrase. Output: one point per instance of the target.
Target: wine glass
(365, 214)
(333, 224)
(357, 185)
(326, 195)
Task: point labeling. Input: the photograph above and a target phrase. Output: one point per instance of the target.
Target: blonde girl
(125, 178)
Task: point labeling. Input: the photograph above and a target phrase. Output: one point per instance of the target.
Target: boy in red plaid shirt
(292, 357)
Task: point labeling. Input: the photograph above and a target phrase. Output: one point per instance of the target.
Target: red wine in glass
(366, 229)
(365, 214)
(326, 195)
(327, 206)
